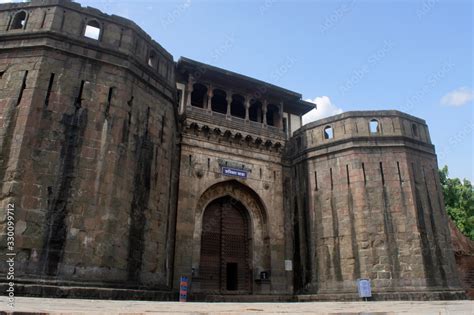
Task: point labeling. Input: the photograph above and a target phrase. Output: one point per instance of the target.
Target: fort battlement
(86, 31)
(364, 128)
(129, 171)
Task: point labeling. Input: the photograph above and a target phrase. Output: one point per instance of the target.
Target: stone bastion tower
(88, 145)
(367, 203)
(128, 170)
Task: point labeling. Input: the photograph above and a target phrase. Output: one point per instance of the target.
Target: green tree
(459, 201)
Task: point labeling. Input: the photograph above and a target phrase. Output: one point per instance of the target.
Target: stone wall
(369, 205)
(88, 144)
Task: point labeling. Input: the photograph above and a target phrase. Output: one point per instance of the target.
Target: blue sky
(414, 56)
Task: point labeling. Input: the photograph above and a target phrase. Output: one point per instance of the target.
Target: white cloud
(458, 97)
(325, 108)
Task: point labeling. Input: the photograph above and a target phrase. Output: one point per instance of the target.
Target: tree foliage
(459, 201)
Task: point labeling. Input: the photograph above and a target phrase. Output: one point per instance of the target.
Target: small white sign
(288, 265)
(364, 288)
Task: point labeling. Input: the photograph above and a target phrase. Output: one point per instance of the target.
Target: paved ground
(70, 306)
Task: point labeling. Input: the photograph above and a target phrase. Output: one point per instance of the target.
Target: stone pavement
(73, 306)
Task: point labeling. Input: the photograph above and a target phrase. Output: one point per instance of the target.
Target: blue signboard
(364, 288)
(228, 171)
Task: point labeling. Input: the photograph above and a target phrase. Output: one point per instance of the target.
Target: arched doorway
(225, 252)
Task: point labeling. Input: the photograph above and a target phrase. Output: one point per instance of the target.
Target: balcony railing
(236, 123)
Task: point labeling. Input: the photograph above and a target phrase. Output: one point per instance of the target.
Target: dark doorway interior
(232, 276)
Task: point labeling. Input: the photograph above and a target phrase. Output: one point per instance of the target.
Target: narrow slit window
(50, 87)
(374, 126)
(363, 171)
(79, 94)
(399, 173)
(330, 175)
(43, 20)
(22, 88)
(328, 133)
(316, 181)
(382, 174)
(92, 30)
(347, 175)
(19, 21)
(162, 133)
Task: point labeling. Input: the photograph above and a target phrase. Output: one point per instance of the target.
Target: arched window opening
(198, 95)
(152, 59)
(19, 21)
(237, 107)
(328, 133)
(92, 30)
(414, 130)
(273, 115)
(374, 126)
(255, 111)
(219, 102)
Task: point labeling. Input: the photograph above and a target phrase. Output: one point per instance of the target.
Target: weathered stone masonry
(371, 205)
(114, 156)
(88, 146)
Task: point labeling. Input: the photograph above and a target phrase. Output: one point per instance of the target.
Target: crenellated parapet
(67, 26)
(361, 129)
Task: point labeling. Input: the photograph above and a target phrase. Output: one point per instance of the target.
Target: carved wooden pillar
(280, 119)
(210, 94)
(189, 89)
(247, 107)
(229, 101)
(264, 112)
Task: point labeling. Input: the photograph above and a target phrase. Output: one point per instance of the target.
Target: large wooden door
(224, 266)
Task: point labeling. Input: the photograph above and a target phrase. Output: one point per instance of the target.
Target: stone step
(202, 297)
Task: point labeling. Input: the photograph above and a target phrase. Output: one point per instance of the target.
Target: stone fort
(128, 170)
